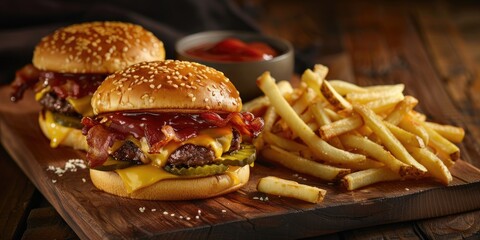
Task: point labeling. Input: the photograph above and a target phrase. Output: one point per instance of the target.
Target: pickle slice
(67, 121)
(112, 164)
(200, 171)
(245, 155)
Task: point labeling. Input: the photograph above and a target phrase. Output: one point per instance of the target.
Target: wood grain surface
(95, 214)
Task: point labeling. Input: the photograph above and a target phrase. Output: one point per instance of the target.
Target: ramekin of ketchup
(241, 56)
(234, 50)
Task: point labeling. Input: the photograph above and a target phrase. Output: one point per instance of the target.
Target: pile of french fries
(338, 131)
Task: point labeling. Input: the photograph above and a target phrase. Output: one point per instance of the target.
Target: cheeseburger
(169, 130)
(70, 64)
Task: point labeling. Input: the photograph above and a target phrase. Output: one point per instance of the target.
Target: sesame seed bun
(96, 47)
(174, 189)
(171, 85)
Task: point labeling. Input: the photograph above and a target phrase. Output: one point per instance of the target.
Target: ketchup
(234, 50)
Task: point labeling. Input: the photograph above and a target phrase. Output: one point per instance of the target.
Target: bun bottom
(174, 189)
(74, 137)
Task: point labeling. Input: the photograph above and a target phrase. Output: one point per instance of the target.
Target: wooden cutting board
(94, 214)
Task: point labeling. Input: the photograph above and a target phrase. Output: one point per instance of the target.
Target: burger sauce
(234, 50)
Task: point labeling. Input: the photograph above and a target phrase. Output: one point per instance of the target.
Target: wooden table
(374, 42)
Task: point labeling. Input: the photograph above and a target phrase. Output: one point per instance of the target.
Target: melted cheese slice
(217, 139)
(82, 105)
(134, 178)
(56, 131)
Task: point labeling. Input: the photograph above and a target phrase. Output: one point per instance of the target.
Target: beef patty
(188, 155)
(55, 104)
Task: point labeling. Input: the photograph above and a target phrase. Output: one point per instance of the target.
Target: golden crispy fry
(443, 156)
(269, 118)
(383, 105)
(451, 133)
(302, 103)
(435, 166)
(387, 138)
(405, 137)
(380, 88)
(313, 81)
(283, 143)
(319, 147)
(340, 127)
(418, 116)
(319, 113)
(302, 165)
(366, 177)
(364, 97)
(401, 110)
(334, 116)
(441, 143)
(258, 103)
(335, 99)
(376, 151)
(414, 126)
(343, 88)
(286, 188)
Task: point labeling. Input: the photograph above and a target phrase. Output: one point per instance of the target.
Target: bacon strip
(100, 137)
(244, 122)
(25, 78)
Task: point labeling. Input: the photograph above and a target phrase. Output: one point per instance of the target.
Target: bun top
(167, 86)
(97, 47)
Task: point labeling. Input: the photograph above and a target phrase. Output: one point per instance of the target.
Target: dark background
(24, 22)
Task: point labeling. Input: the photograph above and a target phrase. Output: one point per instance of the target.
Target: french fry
(435, 166)
(334, 116)
(385, 104)
(335, 99)
(376, 151)
(302, 103)
(262, 102)
(364, 97)
(387, 138)
(283, 143)
(414, 126)
(302, 165)
(340, 127)
(439, 142)
(402, 108)
(451, 133)
(319, 147)
(269, 118)
(418, 116)
(313, 80)
(319, 113)
(286, 188)
(380, 88)
(405, 137)
(343, 87)
(363, 178)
